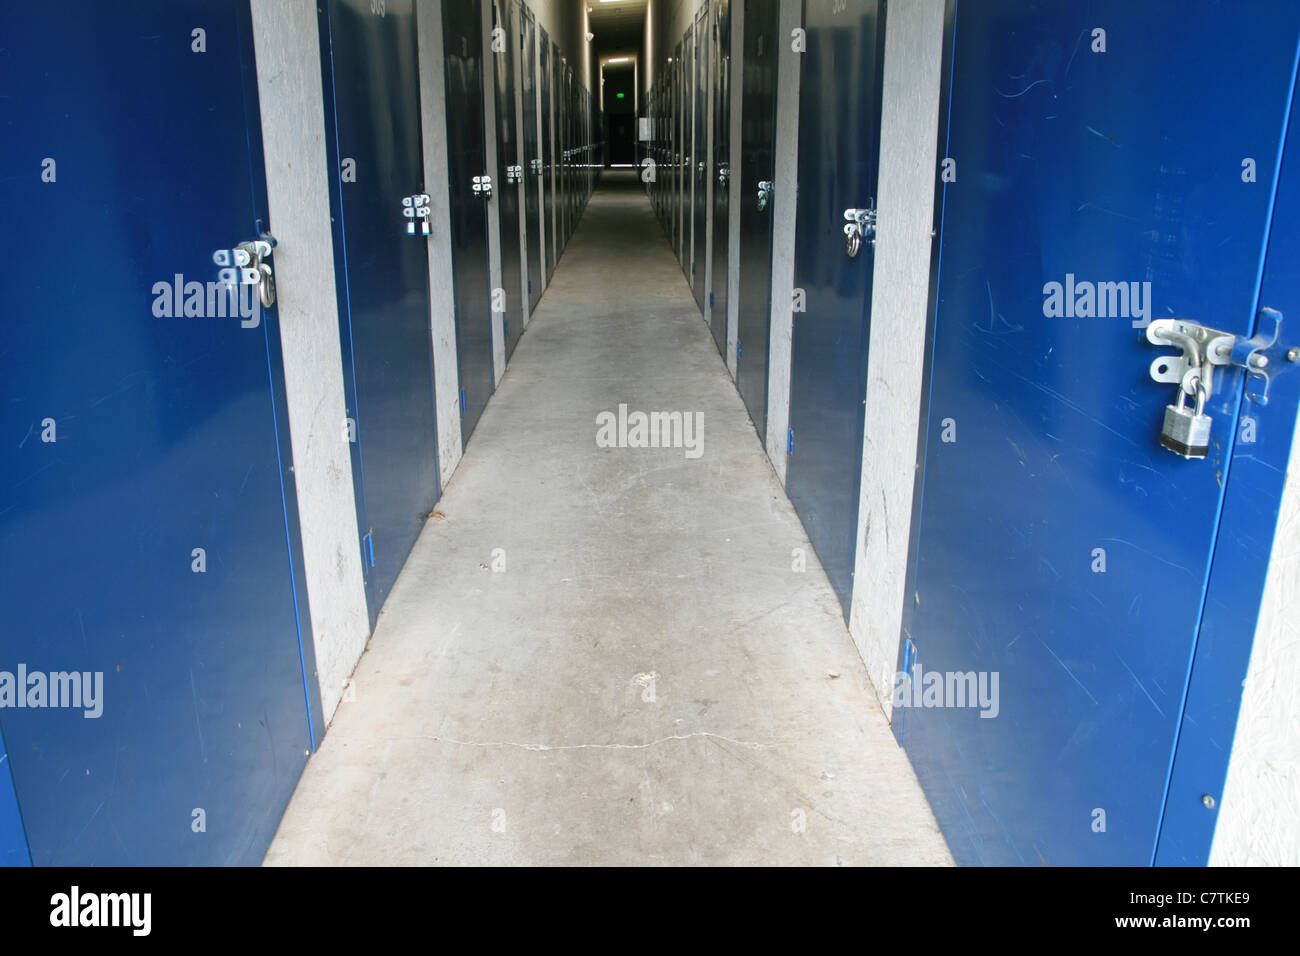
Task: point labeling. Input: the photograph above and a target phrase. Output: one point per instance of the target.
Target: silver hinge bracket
(859, 227)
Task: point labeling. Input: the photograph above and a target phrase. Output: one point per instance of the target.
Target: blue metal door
(545, 72)
(571, 128)
(532, 159)
(462, 38)
(1063, 558)
(562, 143)
(508, 206)
(373, 128)
(688, 153)
(700, 168)
(721, 169)
(839, 142)
(679, 149)
(758, 128)
(149, 533)
(571, 164)
(1261, 456)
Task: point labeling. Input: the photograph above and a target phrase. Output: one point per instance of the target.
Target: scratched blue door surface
(839, 141)
(149, 528)
(373, 114)
(1057, 544)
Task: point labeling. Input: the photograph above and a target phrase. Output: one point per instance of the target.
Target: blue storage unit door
(1261, 456)
(701, 169)
(561, 154)
(676, 146)
(509, 202)
(462, 39)
(687, 236)
(839, 145)
(675, 150)
(758, 130)
(557, 157)
(571, 125)
(373, 128)
(156, 620)
(566, 113)
(532, 158)
(545, 79)
(1098, 173)
(717, 311)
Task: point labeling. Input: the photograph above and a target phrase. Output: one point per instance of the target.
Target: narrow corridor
(602, 655)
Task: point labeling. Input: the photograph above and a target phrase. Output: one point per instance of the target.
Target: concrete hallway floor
(647, 681)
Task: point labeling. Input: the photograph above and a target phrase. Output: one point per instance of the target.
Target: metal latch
(724, 174)
(483, 186)
(1186, 432)
(859, 225)
(413, 208)
(244, 265)
(1203, 348)
(765, 189)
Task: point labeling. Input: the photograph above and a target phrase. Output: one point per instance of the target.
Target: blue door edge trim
(279, 399)
(1173, 838)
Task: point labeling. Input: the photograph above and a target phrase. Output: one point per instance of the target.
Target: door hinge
(710, 300)
(789, 441)
(859, 228)
(505, 329)
(245, 265)
(415, 208)
(462, 399)
(737, 348)
(370, 547)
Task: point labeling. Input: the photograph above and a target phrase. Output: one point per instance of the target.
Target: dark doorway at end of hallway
(620, 112)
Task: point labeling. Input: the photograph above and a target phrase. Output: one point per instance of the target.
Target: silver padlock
(1185, 432)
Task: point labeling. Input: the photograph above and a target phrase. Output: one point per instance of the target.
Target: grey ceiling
(618, 27)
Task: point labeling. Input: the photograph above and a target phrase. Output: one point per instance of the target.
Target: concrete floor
(647, 681)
